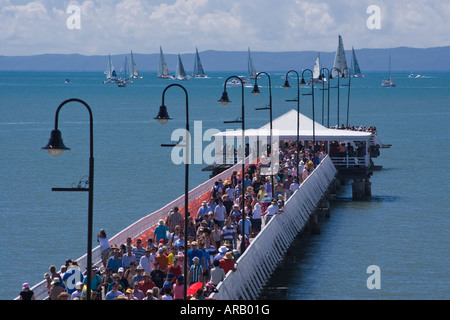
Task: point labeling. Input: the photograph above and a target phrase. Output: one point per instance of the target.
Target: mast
(316, 71)
(134, 73)
(163, 71)
(251, 66)
(180, 73)
(198, 68)
(340, 62)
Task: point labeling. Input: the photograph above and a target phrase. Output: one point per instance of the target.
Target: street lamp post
(224, 101)
(323, 78)
(338, 87)
(287, 86)
(348, 93)
(257, 92)
(162, 118)
(303, 82)
(56, 147)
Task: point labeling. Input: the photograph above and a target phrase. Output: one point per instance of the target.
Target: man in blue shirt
(195, 252)
(115, 261)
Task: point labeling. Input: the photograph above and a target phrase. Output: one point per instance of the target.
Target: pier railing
(349, 162)
(260, 259)
(143, 228)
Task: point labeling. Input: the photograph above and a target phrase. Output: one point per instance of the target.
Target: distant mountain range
(403, 59)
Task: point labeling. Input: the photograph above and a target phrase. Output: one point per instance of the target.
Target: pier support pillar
(368, 187)
(358, 189)
(324, 206)
(315, 226)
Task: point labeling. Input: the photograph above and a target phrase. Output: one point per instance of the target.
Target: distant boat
(316, 70)
(67, 81)
(198, 68)
(251, 66)
(123, 80)
(415, 76)
(163, 71)
(180, 74)
(356, 72)
(134, 73)
(111, 75)
(388, 82)
(340, 63)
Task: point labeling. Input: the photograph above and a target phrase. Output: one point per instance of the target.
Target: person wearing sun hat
(26, 293)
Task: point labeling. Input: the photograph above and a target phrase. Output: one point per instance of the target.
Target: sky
(99, 27)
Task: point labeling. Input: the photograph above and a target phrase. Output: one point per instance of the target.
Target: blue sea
(403, 228)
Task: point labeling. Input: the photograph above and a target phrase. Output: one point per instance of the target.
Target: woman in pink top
(178, 288)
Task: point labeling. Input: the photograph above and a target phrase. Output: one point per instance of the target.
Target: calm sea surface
(403, 228)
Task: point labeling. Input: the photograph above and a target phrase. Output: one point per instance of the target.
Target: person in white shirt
(148, 260)
(220, 213)
(270, 212)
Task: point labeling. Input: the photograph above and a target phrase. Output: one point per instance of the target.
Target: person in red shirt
(176, 268)
(227, 263)
(147, 283)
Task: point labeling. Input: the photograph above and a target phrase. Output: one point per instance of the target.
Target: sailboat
(340, 63)
(251, 66)
(134, 73)
(123, 80)
(110, 72)
(163, 71)
(388, 82)
(180, 74)
(356, 72)
(198, 68)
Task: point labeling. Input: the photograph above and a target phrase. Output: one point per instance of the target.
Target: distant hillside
(403, 59)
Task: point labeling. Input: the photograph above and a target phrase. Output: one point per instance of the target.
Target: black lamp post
(287, 86)
(224, 101)
(257, 92)
(338, 88)
(303, 82)
(327, 79)
(56, 147)
(162, 118)
(348, 93)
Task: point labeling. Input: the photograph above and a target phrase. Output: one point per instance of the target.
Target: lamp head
(286, 85)
(55, 145)
(256, 90)
(163, 116)
(303, 82)
(224, 99)
(330, 77)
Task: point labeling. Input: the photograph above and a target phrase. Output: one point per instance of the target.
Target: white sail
(251, 66)
(163, 71)
(340, 63)
(110, 71)
(180, 74)
(134, 73)
(316, 71)
(198, 67)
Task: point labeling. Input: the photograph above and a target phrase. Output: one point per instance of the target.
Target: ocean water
(402, 228)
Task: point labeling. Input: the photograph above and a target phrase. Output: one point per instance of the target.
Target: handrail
(270, 245)
(144, 226)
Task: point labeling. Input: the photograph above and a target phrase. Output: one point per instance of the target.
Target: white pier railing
(260, 259)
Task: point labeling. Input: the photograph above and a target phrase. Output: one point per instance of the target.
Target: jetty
(300, 210)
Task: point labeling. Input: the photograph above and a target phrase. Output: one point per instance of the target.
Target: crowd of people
(155, 270)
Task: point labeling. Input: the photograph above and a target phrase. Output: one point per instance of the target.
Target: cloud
(39, 26)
